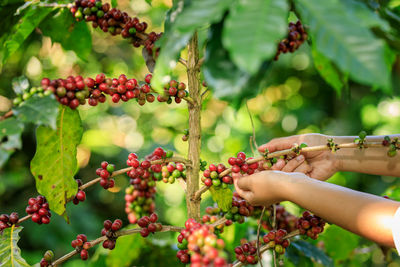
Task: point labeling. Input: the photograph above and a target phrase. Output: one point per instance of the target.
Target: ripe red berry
(107, 224)
(45, 220)
(100, 78)
(235, 169)
(148, 77)
(144, 232)
(153, 217)
(36, 218)
(115, 226)
(208, 182)
(82, 237)
(81, 195)
(84, 254)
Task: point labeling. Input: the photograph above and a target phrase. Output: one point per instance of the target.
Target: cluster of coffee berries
(200, 246)
(39, 209)
(310, 225)
(8, 220)
(47, 258)
(81, 195)
(149, 225)
(212, 215)
(213, 176)
(275, 239)
(115, 22)
(296, 37)
(81, 245)
(74, 91)
(144, 175)
(393, 145)
(139, 196)
(28, 93)
(173, 89)
(109, 231)
(239, 164)
(171, 172)
(105, 173)
(284, 219)
(246, 253)
(240, 209)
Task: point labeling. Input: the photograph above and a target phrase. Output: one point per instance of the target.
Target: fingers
(278, 165)
(293, 164)
(304, 168)
(278, 144)
(244, 183)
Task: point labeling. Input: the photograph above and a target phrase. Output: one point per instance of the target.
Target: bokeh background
(295, 101)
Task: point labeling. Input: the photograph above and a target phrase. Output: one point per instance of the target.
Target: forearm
(363, 214)
(370, 160)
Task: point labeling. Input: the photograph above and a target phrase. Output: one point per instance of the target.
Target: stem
(165, 228)
(258, 235)
(183, 62)
(192, 181)
(289, 151)
(7, 115)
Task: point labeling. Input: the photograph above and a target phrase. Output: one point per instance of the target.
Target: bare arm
(363, 214)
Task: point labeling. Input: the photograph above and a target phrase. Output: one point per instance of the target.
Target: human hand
(320, 165)
(264, 188)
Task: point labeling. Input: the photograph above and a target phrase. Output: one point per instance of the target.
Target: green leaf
(225, 79)
(10, 138)
(38, 110)
(222, 196)
(126, 251)
(335, 235)
(54, 163)
(10, 126)
(253, 30)
(365, 16)
(28, 23)
(341, 37)
(72, 35)
(114, 3)
(312, 252)
(10, 253)
(149, 2)
(199, 13)
(328, 71)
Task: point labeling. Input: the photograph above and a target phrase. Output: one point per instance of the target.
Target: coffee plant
(228, 50)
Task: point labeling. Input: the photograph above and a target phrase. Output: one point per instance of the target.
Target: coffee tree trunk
(193, 205)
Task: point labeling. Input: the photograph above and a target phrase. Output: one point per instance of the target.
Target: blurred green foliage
(295, 100)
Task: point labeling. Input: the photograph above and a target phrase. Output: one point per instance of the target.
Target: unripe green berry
(169, 154)
(132, 30)
(110, 168)
(48, 92)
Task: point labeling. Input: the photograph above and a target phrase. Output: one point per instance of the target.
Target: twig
(24, 218)
(274, 227)
(200, 63)
(183, 62)
(165, 228)
(219, 222)
(6, 115)
(203, 94)
(258, 235)
(122, 171)
(289, 151)
(267, 246)
(252, 126)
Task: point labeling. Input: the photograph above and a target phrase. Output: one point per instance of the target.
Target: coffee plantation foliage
(345, 76)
